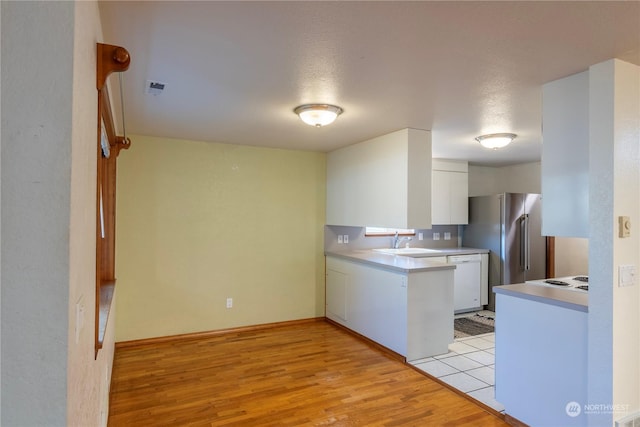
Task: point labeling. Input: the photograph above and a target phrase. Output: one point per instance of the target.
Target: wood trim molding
(370, 342)
(551, 257)
(207, 334)
(403, 359)
(514, 421)
(110, 59)
(116, 142)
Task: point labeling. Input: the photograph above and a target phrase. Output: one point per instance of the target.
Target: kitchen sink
(407, 251)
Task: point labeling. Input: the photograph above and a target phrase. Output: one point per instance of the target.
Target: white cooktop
(571, 283)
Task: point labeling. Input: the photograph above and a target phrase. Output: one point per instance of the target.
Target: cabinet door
(459, 197)
(440, 209)
(565, 157)
(336, 294)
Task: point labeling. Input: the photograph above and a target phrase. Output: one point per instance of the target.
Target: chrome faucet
(396, 241)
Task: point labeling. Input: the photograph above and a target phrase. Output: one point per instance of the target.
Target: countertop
(572, 300)
(455, 251)
(403, 263)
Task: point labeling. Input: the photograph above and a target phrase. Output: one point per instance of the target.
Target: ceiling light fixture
(496, 140)
(318, 114)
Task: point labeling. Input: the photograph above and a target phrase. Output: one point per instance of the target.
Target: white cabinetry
(336, 298)
(541, 361)
(382, 182)
(565, 157)
(409, 313)
(449, 192)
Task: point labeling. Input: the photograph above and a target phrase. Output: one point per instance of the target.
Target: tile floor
(468, 366)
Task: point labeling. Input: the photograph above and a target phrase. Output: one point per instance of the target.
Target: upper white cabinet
(565, 157)
(449, 192)
(381, 182)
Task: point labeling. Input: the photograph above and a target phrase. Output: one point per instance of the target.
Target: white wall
(614, 343)
(37, 79)
(48, 197)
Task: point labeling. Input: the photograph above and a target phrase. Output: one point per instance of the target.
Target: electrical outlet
(340, 239)
(345, 239)
(420, 236)
(229, 302)
(447, 235)
(436, 236)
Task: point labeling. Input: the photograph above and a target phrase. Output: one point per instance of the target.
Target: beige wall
(200, 222)
(88, 378)
(572, 256)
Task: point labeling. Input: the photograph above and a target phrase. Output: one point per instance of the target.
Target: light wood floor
(311, 374)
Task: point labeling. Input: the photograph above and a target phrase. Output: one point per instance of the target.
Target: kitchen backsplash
(357, 239)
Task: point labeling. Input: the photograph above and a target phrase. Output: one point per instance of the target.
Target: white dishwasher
(467, 280)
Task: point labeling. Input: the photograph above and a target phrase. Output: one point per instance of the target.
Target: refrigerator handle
(523, 249)
(527, 265)
(524, 242)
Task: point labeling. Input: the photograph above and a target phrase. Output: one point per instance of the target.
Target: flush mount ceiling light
(496, 140)
(318, 114)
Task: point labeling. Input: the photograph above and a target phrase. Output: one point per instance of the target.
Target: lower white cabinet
(336, 294)
(541, 361)
(409, 313)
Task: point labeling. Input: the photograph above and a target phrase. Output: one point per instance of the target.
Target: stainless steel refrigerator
(509, 225)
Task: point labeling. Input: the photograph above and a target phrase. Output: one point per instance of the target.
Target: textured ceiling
(234, 71)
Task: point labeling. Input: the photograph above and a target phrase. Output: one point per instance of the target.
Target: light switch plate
(447, 235)
(340, 239)
(436, 236)
(345, 239)
(626, 275)
(624, 226)
(420, 236)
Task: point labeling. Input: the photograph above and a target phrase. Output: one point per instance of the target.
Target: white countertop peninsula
(400, 263)
(404, 263)
(541, 354)
(403, 303)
